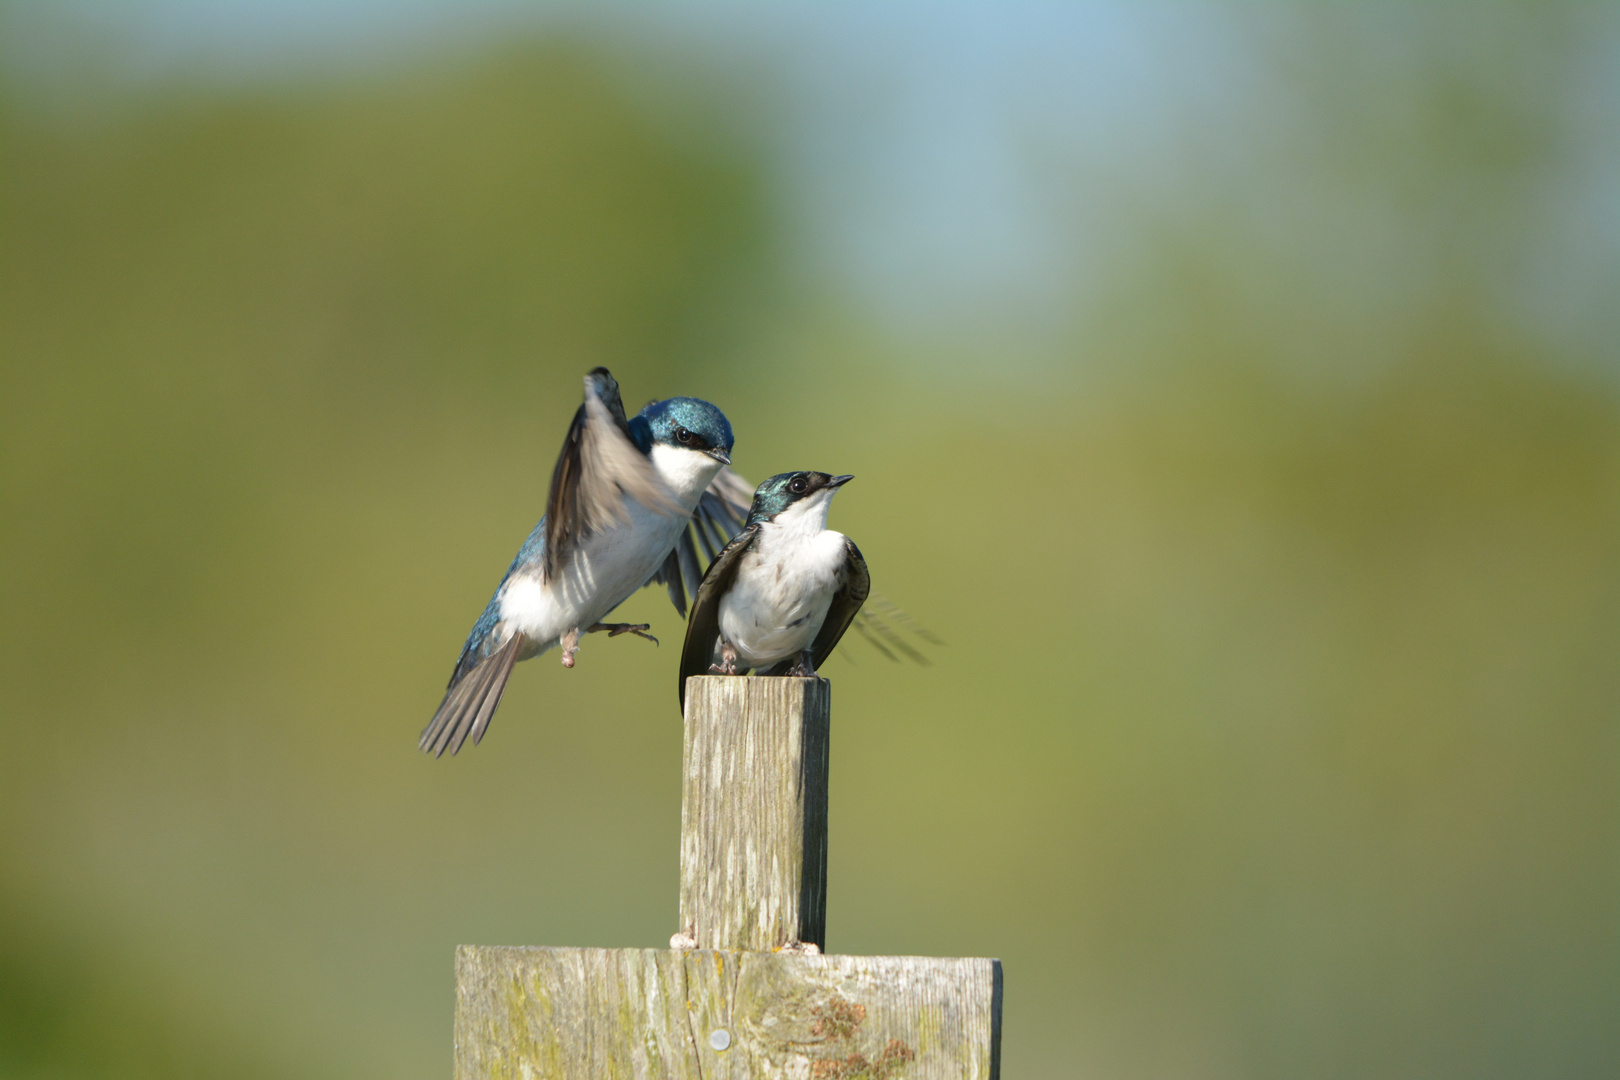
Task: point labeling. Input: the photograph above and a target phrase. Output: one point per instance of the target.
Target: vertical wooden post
(754, 813)
(738, 1006)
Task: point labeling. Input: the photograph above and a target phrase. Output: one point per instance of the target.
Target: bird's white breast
(784, 586)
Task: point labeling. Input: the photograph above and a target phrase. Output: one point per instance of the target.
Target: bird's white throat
(687, 472)
(807, 517)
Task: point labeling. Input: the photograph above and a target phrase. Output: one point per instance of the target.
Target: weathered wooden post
(749, 994)
(754, 813)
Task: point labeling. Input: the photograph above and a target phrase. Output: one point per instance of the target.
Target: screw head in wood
(719, 1038)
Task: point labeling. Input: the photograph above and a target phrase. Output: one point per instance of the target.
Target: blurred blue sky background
(963, 168)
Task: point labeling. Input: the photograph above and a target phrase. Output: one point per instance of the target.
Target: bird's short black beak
(719, 455)
(840, 481)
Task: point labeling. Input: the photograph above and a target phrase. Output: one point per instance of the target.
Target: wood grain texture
(754, 812)
(536, 1013)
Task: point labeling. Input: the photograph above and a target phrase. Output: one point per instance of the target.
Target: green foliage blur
(1275, 732)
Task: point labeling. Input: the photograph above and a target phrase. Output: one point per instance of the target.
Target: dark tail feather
(436, 736)
(431, 734)
(470, 703)
(492, 698)
(468, 716)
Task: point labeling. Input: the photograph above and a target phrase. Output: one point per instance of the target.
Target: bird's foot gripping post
(726, 666)
(746, 990)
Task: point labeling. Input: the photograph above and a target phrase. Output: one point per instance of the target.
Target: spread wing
(703, 628)
(719, 516)
(846, 604)
(598, 466)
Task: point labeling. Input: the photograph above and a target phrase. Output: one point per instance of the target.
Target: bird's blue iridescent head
(687, 422)
(787, 489)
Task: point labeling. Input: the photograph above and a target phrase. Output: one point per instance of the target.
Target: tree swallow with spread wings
(782, 593)
(627, 498)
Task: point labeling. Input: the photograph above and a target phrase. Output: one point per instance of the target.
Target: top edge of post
(755, 687)
(762, 680)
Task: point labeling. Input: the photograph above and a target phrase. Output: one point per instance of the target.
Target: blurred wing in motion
(597, 467)
(719, 517)
(881, 623)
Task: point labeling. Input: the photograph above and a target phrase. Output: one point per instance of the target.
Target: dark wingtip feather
(899, 615)
(861, 628)
(874, 627)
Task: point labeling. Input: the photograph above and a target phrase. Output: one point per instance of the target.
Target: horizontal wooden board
(536, 1013)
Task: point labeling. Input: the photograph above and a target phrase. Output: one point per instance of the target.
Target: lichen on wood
(541, 1013)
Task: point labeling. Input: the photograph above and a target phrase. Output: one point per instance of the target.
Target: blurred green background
(1233, 389)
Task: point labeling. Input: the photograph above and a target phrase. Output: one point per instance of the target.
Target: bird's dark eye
(797, 485)
(682, 435)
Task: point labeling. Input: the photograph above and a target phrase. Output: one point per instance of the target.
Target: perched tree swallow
(627, 498)
(783, 591)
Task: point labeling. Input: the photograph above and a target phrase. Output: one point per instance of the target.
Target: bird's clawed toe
(614, 629)
(728, 660)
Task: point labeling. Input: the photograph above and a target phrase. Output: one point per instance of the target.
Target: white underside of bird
(784, 585)
(608, 566)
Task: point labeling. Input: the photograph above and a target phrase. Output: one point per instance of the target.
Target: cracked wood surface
(542, 1013)
(754, 812)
